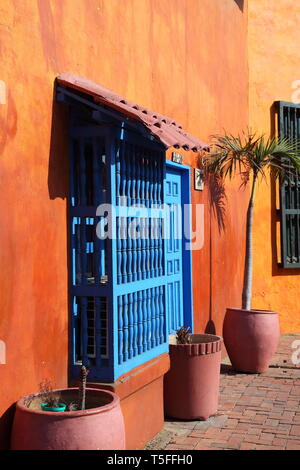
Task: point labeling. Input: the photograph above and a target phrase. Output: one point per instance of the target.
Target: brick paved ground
(256, 411)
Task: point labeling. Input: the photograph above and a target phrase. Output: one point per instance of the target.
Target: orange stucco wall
(274, 57)
(183, 58)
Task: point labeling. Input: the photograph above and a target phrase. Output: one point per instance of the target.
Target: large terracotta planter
(99, 427)
(191, 387)
(251, 338)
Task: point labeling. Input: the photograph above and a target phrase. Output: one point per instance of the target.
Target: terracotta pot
(99, 427)
(251, 338)
(191, 387)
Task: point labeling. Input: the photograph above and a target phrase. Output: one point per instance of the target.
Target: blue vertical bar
(84, 329)
(157, 316)
(130, 325)
(134, 249)
(82, 175)
(153, 318)
(83, 249)
(140, 322)
(111, 246)
(161, 314)
(145, 320)
(135, 323)
(138, 249)
(125, 328)
(147, 179)
(119, 251)
(143, 247)
(118, 173)
(124, 248)
(128, 169)
(98, 331)
(123, 176)
(120, 329)
(133, 185)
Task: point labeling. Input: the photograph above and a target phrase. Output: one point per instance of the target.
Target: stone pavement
(256, 411)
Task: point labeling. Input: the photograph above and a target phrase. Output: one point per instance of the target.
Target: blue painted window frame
(185, 172)
(109, 369)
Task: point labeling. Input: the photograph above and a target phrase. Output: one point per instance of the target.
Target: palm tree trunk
(248, 273)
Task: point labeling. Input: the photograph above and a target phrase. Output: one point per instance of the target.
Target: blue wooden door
(173, 199)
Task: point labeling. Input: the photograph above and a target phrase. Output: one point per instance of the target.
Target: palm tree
(254, 156)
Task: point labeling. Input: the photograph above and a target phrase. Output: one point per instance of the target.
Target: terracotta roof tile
(168, 131)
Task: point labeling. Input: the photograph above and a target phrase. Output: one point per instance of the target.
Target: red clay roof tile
(168, 131)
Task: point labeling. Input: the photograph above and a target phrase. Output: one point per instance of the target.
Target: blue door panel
(173, 200)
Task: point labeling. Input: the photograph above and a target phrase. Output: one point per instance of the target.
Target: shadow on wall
(58, 171)
(218, 199)
(6, 421)
(240, 4)
(277, 270)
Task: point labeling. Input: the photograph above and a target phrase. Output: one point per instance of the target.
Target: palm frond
(246, 153)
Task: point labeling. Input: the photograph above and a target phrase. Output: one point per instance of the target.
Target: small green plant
(47, 394)
(183, 336)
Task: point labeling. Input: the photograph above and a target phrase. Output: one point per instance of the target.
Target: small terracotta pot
(191, 387)
(251, 338)
(99, 427)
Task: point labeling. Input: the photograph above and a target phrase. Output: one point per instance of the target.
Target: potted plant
(191, 386)
(251, 336)
(51, 401)
(92, 420)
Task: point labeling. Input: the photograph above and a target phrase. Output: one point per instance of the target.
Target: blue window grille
(117, 283)
(289, 127)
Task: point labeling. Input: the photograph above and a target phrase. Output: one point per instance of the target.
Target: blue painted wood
(84, 329)
(125, 327)
(133, 175)
(145, 319)
(98, 331)
(162, 315)
(157, 248)
(130, 325)
(157, 316)
(184, 172)
(174, 252)
(143, 247)
(120, 328)
(134, 249)
(138, 179)
(139, 250)
(140, 314)
(147, 248)
(83, 254)
(128, 174)
(152, 248)
(123, 177)
(147, 179)
(135, 324)
(137, 302)
(149, 318)
(153, 318)
(124, 248)
(82, 166)
(152, 178)
(118, 172)
(143, 181)
(119, 251)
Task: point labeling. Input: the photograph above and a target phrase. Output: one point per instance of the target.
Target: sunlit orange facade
(208, 64)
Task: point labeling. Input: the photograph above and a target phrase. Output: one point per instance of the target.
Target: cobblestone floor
(256, 411)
